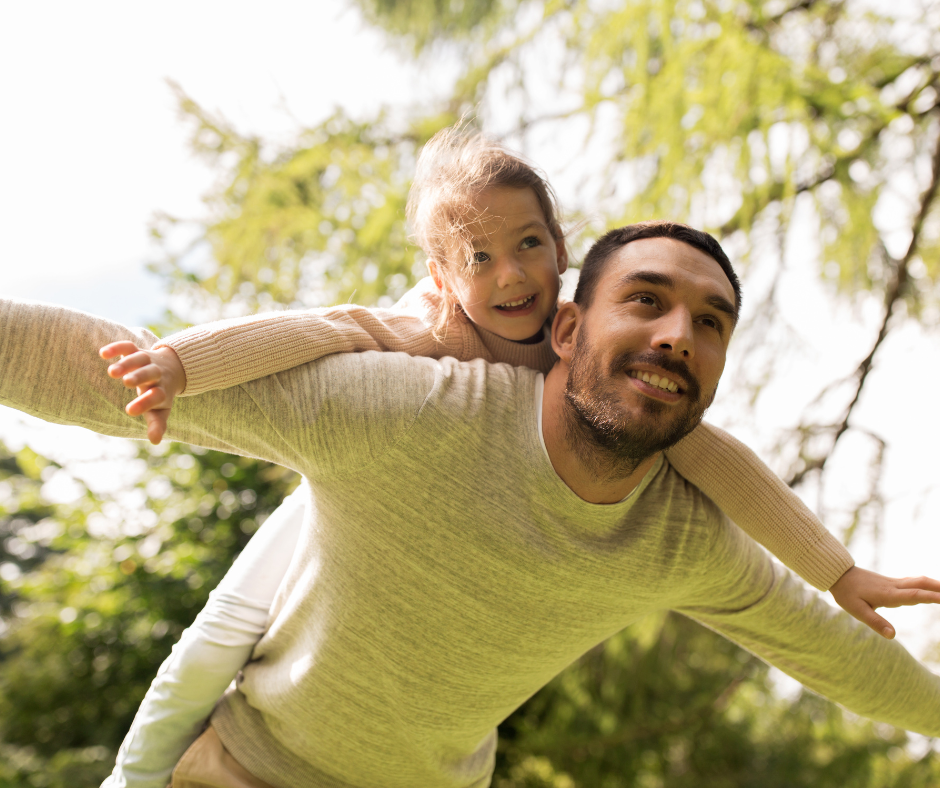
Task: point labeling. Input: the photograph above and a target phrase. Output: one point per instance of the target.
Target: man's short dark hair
(595, 261)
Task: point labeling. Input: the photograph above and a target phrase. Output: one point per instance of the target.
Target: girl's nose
(510, 272)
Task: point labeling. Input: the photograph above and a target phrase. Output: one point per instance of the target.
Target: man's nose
(674, 332)
(509, 271)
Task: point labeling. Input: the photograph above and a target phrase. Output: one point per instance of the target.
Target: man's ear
(435, 271)
(565, 329)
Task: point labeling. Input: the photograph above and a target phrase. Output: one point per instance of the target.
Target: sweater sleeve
(758, 501)
(209, 654)
(229, 352)
(742, 595)
(317, 418)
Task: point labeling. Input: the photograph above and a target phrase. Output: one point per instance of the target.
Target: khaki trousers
(207, 764)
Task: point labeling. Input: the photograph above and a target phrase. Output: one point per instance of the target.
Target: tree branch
(893, 296)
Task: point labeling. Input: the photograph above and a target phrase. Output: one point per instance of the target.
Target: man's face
(651, 347)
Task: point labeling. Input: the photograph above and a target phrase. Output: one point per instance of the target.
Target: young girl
(488, 223)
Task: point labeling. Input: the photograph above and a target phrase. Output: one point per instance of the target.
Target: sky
(92, 148)
(92, 143)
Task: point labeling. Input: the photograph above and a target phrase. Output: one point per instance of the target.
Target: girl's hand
(859, 592)
(158, 376)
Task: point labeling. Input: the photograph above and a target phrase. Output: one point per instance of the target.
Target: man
(510, 524)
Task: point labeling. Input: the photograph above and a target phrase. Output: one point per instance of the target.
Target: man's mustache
(661, 360)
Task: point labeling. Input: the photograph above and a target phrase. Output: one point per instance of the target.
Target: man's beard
(609, 439)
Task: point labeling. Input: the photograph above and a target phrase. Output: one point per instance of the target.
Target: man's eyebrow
(658, 279)
(654, 278)
(722, 305)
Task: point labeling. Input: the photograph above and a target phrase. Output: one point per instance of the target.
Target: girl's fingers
(123, 348)
(861, 610)
(144, 376)
(129, 363)
(911, 596)
(881, 626)
(926, 583)
(148, 400)
(156, 425)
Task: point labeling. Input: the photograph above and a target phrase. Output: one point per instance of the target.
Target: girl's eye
(480, 257)
(528, 243)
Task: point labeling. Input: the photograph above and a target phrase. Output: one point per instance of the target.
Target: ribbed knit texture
(230, 352)
(445, 572)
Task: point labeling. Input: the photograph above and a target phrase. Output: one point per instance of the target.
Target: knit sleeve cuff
(202, 360)
(824, 562)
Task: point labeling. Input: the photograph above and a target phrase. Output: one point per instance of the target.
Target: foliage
(96, 591)
(669, 703)
(321, 223)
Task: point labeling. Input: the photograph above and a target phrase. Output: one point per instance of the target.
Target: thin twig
(893, 297)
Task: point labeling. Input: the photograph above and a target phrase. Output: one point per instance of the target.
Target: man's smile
(656, 384)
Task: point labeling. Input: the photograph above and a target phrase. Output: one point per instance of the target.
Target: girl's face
(512, 285)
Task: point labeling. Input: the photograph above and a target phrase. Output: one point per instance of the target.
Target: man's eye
(646, 300)
(711, 323)
(480, 257)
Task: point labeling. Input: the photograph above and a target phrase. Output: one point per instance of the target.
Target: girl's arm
(229, 352)
(209, 654)
(758, 501)
(769, 511)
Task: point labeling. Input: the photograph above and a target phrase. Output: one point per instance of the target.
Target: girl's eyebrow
(529, 225)
(482, 240)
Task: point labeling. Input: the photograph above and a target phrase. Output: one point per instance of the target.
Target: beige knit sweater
(230, 352)
(445, 572)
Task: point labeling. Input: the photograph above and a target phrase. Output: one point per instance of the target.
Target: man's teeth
(513, 304)
(655, 380)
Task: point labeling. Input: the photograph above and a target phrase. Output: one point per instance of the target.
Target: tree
(97, 591)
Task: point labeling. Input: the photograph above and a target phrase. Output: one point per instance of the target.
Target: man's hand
(859, 592)
(157, 375)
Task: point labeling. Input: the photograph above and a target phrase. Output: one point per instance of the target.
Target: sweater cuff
(824, 562)
(203, 361)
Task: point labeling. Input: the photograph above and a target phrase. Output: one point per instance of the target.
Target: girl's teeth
(513, 304)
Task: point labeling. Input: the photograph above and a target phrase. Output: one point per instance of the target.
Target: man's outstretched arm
(332, 416)
(792, 628)
(50, 368)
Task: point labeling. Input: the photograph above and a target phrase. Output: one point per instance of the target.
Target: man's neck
(579, 466)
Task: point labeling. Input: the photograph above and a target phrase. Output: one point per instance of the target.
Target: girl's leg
(207, 764)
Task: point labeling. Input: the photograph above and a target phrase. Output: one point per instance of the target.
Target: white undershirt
(209, 654)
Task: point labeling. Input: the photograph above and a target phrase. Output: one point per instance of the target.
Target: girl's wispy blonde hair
(454, 167)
